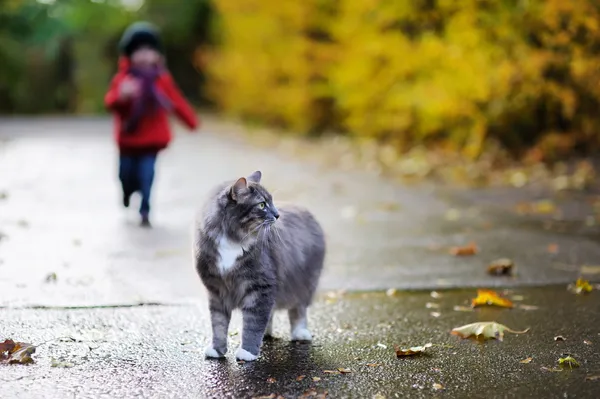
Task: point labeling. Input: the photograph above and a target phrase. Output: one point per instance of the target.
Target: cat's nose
(276, 215)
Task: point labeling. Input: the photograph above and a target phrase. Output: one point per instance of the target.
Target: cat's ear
(255, 177)
(240, 185)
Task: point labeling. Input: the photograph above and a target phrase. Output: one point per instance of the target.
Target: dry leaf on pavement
(488, 297)
(316, 379)
(12, 352)
(581, 286)
(526, 361)
(271, 380)
(331, 372)
(437, 387)
(592, 377)
(560, 338)
(485, 330)
(553, 248)
(415, 350)
(344, 370)
(568, 361)
(300, 377)
(467, 250)
(501, 267)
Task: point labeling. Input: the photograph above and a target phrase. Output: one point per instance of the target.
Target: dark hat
(139, 34)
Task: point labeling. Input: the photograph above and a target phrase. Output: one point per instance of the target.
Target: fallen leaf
(316, 379)
(517, 298)
(391, 292)
(467, 250)
(585, 341)
(485, 329)
(344, 370)
(463, 308)
(331, 372)
(271, 396)
(60, 363)
(379, 344)
(300, 377)
(560, 338)
(271, 380)
(430, 305)
(581, 286)
(435, 314)
(590, 269)
(543, 207)
(568, 361)
(592, 377)
(12, 352)
(435, 294)
(378, 396)
(437, 387)
(488, 297)
(415, 350)
(553, 248)
(528, 307)
(526, 361)
(501, 267)
(373, 364)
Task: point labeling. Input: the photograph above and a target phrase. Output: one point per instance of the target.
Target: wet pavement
(74, 264)
(157, 351)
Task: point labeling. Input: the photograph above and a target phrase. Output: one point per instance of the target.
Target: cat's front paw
(243, 354)
(301, 334)
(212, 353)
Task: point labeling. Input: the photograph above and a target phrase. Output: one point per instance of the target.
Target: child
(140, 96)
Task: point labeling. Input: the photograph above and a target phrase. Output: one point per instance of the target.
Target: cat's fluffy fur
(255, 257)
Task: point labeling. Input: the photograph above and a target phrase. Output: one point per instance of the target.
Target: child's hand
(129, 88)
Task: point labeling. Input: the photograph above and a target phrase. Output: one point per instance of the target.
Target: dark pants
(136, 173)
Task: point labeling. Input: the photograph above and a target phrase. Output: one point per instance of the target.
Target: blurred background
(522, 75)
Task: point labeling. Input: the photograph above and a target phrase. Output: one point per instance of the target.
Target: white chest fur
(229, 252)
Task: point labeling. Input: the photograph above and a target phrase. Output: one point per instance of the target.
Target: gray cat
(255, 257)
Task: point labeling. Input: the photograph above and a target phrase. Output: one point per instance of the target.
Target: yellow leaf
(490, 298)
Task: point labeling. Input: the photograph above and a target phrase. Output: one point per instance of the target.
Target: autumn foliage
(404, 72)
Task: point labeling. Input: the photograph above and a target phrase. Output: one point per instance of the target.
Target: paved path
(66, 243)
(62, 215)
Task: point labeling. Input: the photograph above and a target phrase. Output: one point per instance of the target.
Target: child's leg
(146, 177)
(127, 176)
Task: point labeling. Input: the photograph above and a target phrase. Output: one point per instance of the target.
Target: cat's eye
(261, 206)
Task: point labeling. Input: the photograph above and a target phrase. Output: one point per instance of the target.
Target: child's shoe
(145, 222)
(126, 198)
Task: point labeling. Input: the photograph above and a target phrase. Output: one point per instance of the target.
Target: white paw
(212, 352)
(243, 354)
(301, 334)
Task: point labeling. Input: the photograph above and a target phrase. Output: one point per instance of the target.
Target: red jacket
(153, 131)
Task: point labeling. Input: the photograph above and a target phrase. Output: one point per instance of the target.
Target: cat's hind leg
(269, 331)
(298, 324)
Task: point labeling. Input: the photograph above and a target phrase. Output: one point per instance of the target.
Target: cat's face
(249, 206)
